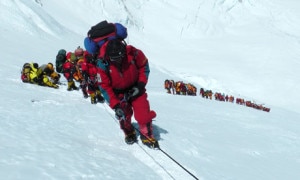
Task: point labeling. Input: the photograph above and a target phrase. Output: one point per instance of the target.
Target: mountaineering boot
(55, 86)
(147, 137)
(93, 98)
(150, 142)
(128, 129)
(84, 91)
(99, 97)
(74, 87)
(85, 95)
(130, 138)
(71, 86)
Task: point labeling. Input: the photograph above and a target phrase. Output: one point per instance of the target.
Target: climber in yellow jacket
(39, 75)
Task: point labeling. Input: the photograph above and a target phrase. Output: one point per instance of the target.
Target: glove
(136, 91)
(119, 113)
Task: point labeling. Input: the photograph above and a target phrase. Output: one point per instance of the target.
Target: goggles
(116, 58)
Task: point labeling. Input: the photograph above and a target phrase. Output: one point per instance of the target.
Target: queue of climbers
(108, 71)
(180, 88)
(77, 66)
(111, 71)
(80, 66)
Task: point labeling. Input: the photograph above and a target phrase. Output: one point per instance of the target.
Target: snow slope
(247, 48)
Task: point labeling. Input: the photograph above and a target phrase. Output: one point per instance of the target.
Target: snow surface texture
(245, 48)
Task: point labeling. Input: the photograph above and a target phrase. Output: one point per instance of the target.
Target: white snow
(244, 48)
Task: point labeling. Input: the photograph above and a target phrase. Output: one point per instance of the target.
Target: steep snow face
(237, 47)
(29, 17)
(247, 48)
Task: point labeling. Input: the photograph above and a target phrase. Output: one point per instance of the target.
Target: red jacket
(68, 70)
(89, 70)
(111, 79)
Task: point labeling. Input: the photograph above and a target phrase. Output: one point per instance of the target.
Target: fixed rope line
(170, 157)
(156, 162)
(178, 163)
(169, 174)
(165, 153)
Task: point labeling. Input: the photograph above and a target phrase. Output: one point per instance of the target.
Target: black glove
(119, 113)
(136, 91)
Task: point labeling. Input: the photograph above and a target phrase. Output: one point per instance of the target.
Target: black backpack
(102, 29)
(102, 32)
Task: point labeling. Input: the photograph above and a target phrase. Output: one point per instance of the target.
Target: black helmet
(115, 50)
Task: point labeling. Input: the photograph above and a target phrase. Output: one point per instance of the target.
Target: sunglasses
(116, 58)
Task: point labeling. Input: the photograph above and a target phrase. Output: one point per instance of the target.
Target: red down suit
(114, 80)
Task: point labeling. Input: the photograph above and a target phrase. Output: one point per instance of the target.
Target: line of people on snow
(229, 98)
(181, 88)
(80, 66)
(77, 66)
(108, 70)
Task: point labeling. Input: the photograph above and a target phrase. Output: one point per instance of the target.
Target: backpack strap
(103, 64)
(136, 52)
